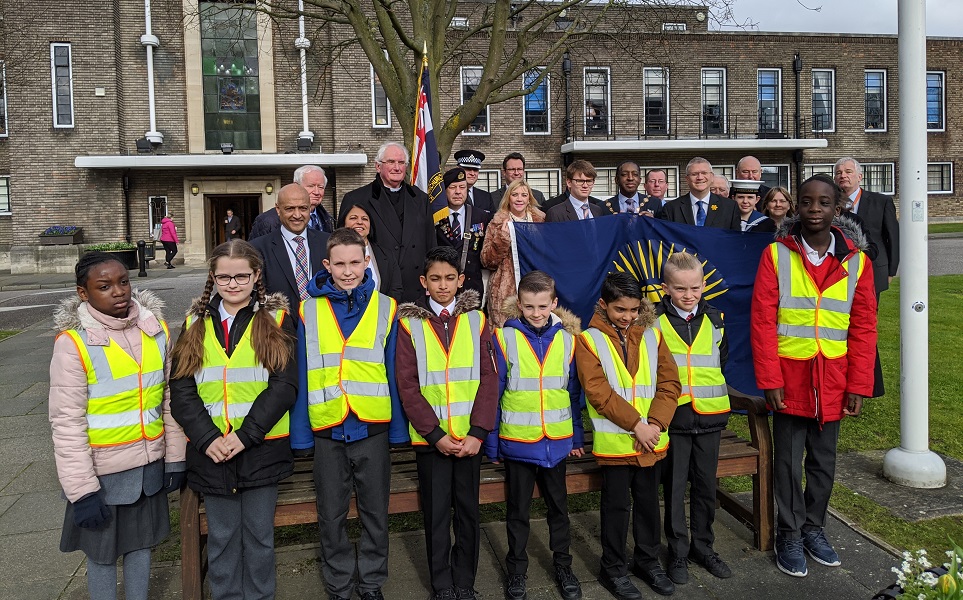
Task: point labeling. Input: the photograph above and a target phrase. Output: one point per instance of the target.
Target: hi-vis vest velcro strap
(347, 375)
(638, 390)
(536, 402)
(124, 397)
(700, 367)
(809, 320)
(448, 380)
(229, 386)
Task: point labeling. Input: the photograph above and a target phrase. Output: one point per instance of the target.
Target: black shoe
(567, 582)
(656, 579)
(170, 266)
(446, 594)
(678, 571)
(465, 593)
(620, 587)
(515, 588)
(712, 563)
(336, 597)
(374, 595)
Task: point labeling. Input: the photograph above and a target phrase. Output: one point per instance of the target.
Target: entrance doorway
(245, 206)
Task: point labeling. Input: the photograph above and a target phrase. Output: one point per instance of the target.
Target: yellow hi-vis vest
(347, 374)
(536, 403)
(638, 390)
(228, 386)
(700, 369)
(124, 399)
(810, 321)
(449, 380)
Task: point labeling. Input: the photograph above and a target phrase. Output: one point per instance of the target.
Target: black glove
(174, 481)
(90, 512)
(303, 452)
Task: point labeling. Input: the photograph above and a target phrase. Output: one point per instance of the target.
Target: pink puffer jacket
(78, 465)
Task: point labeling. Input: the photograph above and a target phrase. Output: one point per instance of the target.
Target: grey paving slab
(35, 556)
(21, 405)
(36, 511)
(9, 472)
(10, 388)
(39, 476)
(6, 502)
(24, 426)
(35, 590)
(26, 450)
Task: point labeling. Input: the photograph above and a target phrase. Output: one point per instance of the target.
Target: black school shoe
(465, 593)
(712, 563)
(515, 588)
(568, 586)
(620, 587)
(373, 595)
(656, 578)
(678, 570)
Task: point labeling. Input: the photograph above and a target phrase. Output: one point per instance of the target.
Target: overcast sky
(943, 17)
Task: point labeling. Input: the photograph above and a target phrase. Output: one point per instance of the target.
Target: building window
(713, 101)
(810, 170)
(470, 80)
(935, 104)
(671, 180)
(156, 210)
(769, 96)
(939, 178)
(3, 99)
(675, 27)
(62, 80)
(229, 55)
(824, 100)
(597, 101)
(537, 106)
(380, 106)
(878, 177)
(489, 180)
(4, 195)
(729, 172)
(605, 183)
(776, 176)
(875, 100)
(547, 181)
(656, 91)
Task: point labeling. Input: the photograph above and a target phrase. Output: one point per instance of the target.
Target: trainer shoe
(678, 570)
(712, 563)
(515, 588)
(790, 557)
(620, 587)
(568, 585)
(818, 547)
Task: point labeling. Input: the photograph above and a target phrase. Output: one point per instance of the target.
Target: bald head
(294, 206)
(749, 167)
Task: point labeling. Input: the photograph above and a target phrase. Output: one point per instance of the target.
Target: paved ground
(31, 507)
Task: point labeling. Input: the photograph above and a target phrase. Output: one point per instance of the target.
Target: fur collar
(645, 319)
(73, 314)
(467, 301)
(844, 223)
(567, 318)
(272, 302)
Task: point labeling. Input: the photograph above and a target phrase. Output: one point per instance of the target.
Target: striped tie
(585, 210)
(301, 272)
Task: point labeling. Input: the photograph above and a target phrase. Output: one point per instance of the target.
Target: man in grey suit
(700, 207)
(513, 168)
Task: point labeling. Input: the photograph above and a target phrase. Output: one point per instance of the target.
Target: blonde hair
(680, 261)
(507, 196)
(272, 345)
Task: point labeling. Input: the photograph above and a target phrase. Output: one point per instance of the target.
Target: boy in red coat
(814, 347)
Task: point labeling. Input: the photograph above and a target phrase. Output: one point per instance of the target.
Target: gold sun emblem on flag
(644, 261)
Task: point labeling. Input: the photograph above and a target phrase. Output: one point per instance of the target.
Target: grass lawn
(945, 227)
(4, 334)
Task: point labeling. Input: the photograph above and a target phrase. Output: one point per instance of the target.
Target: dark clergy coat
(279, 272)
(468, 244)
(721, 212)
(408, 239)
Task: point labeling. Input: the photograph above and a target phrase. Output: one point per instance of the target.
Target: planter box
(62, 240)
(128, 257)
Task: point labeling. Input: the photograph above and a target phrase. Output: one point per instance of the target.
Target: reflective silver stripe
(238, 409)
(606, 426)
(708, 391)
(375, 355)
(106, 384)
(645, 391)
(319, 361)
(606, 358)
(474, 319)
(421, 353)
(535, 384)
(246, 374)
(124, 419)
(806, 331)
(364, 388)
(786, 298)
(700, 360)
(209, 374)
(534, 419)
(312, 344)
(215, 409)
(652, 351)
(453, 409)
(532, 384)
(152, 378)
(319, 397)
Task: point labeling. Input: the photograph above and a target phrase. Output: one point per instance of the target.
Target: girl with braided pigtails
(233, 381)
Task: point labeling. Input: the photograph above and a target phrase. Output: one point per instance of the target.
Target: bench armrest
(758, 414)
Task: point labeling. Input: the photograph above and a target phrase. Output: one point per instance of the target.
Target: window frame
(824, 168)
(549, 193)
(488, 175)
(548, 103)
(487, 111)
(883, 106)
(150, 212)
(672, 183)
(948, 192)
(832, 99)
(892, 177)
(724, 101)
(942, 126)
(608, 100)
(53, 83)
(645, 104)
(6, 114)
(9, 209)
(786, 166)
(374, 109)
(778, 114)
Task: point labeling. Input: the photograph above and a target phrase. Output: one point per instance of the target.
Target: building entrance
(245, 206)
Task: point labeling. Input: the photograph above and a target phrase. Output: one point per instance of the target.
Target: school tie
(455, 227)
(701, 214)
(688, 317)
(585, 210)
(315, 221)
(444, 315)
(301, 272)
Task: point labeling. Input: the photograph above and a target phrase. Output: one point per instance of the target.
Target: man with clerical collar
(463, 229)
(471, 161)
(700, 207)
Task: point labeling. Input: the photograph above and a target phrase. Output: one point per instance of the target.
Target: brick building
(82, 93)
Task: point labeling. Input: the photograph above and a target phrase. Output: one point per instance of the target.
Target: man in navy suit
(700, 207)
(656, 186)
(628, 177)
(292, 253)
(578, 204)
(471, 161)
(463, 229)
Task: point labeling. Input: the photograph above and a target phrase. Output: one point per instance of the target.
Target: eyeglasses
(394, 163)
(240, 279)
(515, 170)
(582, 181)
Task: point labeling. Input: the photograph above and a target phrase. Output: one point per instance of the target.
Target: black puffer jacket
(263, 462)
(685, 419)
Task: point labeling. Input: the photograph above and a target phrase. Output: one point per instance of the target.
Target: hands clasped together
(225, 448)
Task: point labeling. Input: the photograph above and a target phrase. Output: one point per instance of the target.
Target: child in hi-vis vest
(631, 384)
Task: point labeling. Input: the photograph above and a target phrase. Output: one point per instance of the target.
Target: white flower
(907, 555)
(949, 553)
(927, 579)
(906, 567)
(922, 596)
(924, 563)
(901, 579)
(922, 552)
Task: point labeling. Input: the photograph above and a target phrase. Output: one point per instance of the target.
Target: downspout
(150, 41)
(302, 44)
(798, 154)
(126, 184)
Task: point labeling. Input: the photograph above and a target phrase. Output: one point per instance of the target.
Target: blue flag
(578, 255)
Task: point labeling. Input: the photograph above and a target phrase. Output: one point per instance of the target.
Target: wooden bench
(296, 497)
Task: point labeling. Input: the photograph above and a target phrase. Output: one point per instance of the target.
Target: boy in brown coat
(631, 383)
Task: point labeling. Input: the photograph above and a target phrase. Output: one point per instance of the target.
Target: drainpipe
(798, 154)
(150, 41)
(302, 44)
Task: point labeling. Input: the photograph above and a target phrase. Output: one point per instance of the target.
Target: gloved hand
(174, 481)
(90, 512)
